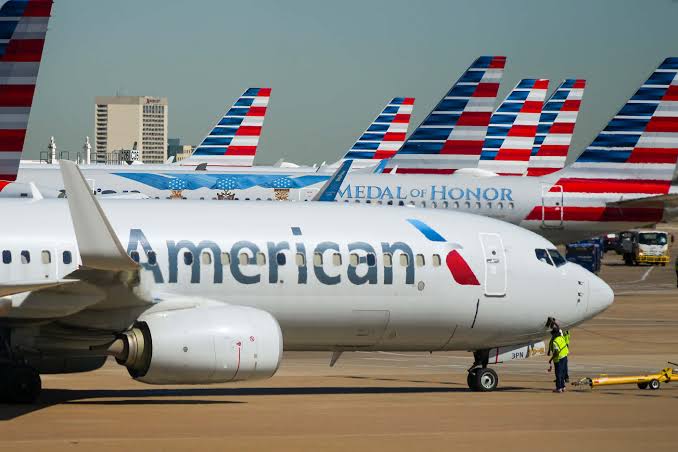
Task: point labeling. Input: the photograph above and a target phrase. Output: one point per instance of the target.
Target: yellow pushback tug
(651, 381)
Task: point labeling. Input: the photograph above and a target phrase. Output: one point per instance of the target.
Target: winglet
(98, 245)
(329, 191)
(379, 169)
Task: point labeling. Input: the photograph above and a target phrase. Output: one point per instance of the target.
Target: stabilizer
(22, 38)
(386, 135)
(452, 135)
(638, 149)
(234, 139)
(513, 127)
(556, 128)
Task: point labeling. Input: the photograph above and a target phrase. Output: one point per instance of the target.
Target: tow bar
(651, 381)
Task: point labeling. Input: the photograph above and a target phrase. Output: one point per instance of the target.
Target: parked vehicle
(586, 253)
(646, 247)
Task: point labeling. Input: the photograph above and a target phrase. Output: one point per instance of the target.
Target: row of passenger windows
(444, 204)
(336, 259)
(550, 257)
(45, 257)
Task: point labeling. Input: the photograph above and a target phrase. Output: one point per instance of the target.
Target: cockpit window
(557, 258)
(543, 256)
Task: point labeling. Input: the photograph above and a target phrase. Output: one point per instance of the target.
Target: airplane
(623, 180)
(197, 296)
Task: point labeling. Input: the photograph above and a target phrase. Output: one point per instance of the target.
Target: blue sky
(332, 65)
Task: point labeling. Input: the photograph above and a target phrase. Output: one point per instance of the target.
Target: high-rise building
(177, 150)
(123, 122)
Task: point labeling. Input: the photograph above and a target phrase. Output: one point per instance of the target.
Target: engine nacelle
(201, 345)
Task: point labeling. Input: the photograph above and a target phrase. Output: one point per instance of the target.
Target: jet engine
(201, 345)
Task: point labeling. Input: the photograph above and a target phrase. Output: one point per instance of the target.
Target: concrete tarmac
(388, 401)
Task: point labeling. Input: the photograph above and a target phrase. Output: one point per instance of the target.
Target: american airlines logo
(431, 193)
(250, 263)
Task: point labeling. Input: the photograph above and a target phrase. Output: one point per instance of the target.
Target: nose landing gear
(481, 378)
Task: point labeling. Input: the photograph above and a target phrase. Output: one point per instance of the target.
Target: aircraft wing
(16, 287)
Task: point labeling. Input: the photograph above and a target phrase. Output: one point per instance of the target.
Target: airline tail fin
(234, 139)
(556, 128)
(384, 137)
(451, 136)
(22, 38)
(641, 141)
(513, 127)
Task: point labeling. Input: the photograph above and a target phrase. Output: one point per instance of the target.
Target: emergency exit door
(495, 264)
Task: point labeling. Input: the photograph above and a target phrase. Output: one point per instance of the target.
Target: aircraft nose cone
(601, 295)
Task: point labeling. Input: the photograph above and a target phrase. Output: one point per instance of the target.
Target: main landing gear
(19, 383)
(481, 378)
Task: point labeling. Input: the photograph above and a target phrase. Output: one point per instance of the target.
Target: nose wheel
(481, 378)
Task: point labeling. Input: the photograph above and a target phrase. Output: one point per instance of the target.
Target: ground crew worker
(559, 350)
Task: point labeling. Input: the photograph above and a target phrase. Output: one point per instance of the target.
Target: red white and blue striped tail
(386, 135)
(513, 127)
(23, 26)
(234, 139)
(556, 128)
(452, 135)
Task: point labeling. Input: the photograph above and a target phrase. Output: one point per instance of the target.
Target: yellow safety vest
(559, 348)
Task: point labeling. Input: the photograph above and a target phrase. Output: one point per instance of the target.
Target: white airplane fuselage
(327, 293)
(539, 204)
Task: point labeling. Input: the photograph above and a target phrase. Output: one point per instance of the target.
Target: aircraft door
(495, 264)
(551, 206)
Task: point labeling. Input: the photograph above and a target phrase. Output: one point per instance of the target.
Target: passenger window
(206, 258)
(436, 260)
(317, 259)
(420, 260)
(500, 205)
(152, 258)
(226, 258)
(390, 203)
(423, 204)
(434, 204)
(456, 205)
(301, 259)
(371, 260)
(543, 256)
(511, 205)
(404, 260)
(557, 258)
(6, 257)
(66, 257)
(243, 259)
(281, 259)
(135, 256)
(336, 259)
(446, 204)
(25, 257)
(46, 257)
(467, 205)
(261, 259)
(188, 258)
(411, 203)
(489, 205)
(353, 259)
(401, 203)
(478, 205)
(388, 260)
